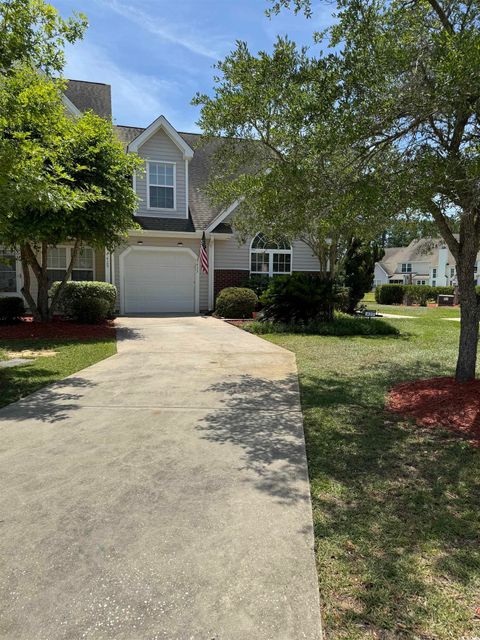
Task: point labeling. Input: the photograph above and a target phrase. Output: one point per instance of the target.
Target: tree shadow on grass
(396, 511)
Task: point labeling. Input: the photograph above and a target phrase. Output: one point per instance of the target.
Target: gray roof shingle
(94, 96)
(165, 224)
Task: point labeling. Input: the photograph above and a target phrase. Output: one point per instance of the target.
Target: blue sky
(157, 54)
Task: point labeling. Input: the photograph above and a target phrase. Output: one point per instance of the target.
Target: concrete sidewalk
(160, 494)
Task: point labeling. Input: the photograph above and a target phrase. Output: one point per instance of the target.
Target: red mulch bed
(440, 402)
(59, 328)
(238, 323)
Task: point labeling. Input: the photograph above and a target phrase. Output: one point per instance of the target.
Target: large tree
(62, 180)
(411, 79)
(281, 154)
(33, 32)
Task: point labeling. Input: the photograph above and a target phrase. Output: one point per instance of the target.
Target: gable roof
(90, 96)
(202, 211)
(161, 123)
(424, 250)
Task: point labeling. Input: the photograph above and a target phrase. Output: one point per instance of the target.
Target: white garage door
(157, 281)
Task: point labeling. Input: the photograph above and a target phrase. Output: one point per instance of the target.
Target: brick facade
(229, 278)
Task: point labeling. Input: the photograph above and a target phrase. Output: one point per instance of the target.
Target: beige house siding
(303, 258)
(229, 254)
(193, 244)
(161, 148)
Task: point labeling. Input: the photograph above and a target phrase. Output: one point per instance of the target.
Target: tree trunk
(467, 354)
(27, 294)
(66, 277)
(42, 292)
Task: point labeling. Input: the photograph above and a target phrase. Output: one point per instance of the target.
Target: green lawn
(71, 356)
(396, 508)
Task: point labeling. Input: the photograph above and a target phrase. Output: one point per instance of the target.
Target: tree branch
(447, 25)
(66, 277)
(445, 230)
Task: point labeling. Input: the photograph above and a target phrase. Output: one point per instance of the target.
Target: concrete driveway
(160, 494)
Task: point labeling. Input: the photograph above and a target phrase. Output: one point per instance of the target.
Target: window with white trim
(434, 272)
(8, 271)
(270, 258)
(58, 258)
(56, 263)
(161, 185)
(407, 267)
(83, 264)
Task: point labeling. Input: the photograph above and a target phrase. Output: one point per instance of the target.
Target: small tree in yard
(62, 180)
(359, 267)
(411, 82)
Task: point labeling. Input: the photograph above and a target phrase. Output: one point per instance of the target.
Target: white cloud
(180, 35)
(137, 98)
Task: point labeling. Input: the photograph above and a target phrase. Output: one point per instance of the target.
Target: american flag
(204, 254)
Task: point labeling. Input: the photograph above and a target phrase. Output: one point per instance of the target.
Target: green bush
(342, 299)
(300, 297)
(389, 293)
(342, 325)
(409, 293)
(90, 310)
(257, 283)
(75, 291)
(12, 309)
(236, 302)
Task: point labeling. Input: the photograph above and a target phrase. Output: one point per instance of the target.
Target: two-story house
(427, 261)
(157, 269)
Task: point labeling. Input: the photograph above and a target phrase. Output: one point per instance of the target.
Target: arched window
(270, 258)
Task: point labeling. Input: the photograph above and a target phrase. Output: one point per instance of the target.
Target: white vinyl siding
(161, 149)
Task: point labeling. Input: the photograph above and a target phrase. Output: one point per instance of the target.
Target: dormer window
(161, 185)
(407, 267)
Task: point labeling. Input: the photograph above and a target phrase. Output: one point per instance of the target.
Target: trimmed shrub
(12, 309)
(75, 291)
(409, 293)
(300, 297)
(236, 302)
(90, 310)
(257, 283)
(342, 325)
(390, 293)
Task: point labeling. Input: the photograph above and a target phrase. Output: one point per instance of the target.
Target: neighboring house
(425, 262)
(157, 269)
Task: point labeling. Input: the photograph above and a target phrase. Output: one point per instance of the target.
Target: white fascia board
(224, 214)
(378, 264)
(162, 123)
(70, 106)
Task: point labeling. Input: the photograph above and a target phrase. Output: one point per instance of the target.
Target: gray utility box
(445, 301)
